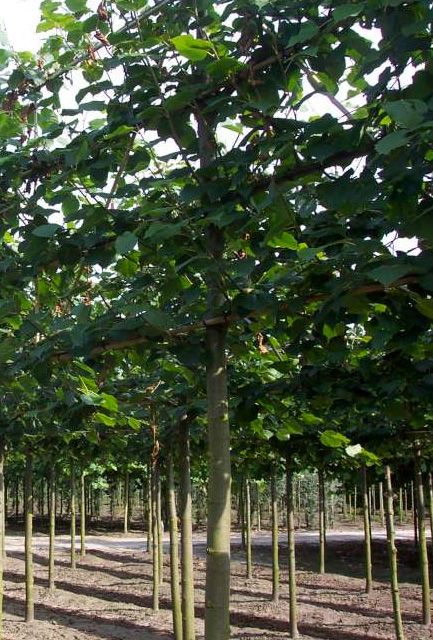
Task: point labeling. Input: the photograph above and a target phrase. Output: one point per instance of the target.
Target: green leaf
(194, 49)
(347, 11)
(283, 240)
(333, 439)
(157, 319)
(387, 274)
(425, 306)
(307, 31)
(46, 230)
(76, 6)
(407, 113)
(70, 205)
(109, 402)
(125, 243)
(392, 141)
(104, 419)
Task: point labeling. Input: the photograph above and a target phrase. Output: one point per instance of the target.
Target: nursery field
(109, 595)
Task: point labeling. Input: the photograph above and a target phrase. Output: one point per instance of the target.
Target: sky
(20, 18)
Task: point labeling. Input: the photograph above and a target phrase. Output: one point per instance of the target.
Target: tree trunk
(322, 521)
(355, 503)
(73, 517)
(381, 509)
(217, 592)
(423, 554)
(293, 604)
(187, 566)
(217, 597)
(174, 554)
(242, 513)
(28, 510)
(400, 506)
(367, 534)
(149, 509)
(430, 505)
(275, 558)
(159, 523)
(155, 536)
(52, 509)
(248, 529)
(83, 516)
(126, 503)
(3, 532)
(392, 552)
(414, 514)
(259, 515)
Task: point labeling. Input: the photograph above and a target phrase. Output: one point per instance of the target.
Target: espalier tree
(190, 176)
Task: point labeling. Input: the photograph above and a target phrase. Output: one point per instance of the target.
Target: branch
(188, 329)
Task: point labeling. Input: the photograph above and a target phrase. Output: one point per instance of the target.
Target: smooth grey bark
(217, 592)
(187, 565)
(73, 517)
(83, 515)
(293, 603)
(3, 531)
(28, 511)
(248, 528)
(160, 531)
(52, 541)
(126, 503)
(322, 522)
(149, 509)
(423, 553)
(174, 554)
(367, 534)
(275, 549)
(155, 537)
(392, 553)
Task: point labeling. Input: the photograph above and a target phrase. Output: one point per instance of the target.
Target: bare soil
(109, 596)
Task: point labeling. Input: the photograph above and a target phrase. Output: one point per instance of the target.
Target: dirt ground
(108, 597)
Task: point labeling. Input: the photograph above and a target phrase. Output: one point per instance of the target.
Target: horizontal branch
(223, 320)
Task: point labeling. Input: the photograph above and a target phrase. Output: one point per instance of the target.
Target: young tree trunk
(73, 517)
(126, 503)
(275, 558)
(322, 521)
(149, 509)
(248, 528)
(414, 513)
(83, 516)
(217, 593)
(355, 503)
(367, 534)
(155, 536)
(392, 552)
(160, 531)
(242, 513)
(187, 566)
(259, 515)
(430, 505)
(423, 554)
(52, 509)
(406, 508)
(400, 506)
(381, 509)
(3, 531)
(293, 604)
(217, 597)
(28, 511)
(174, 554)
